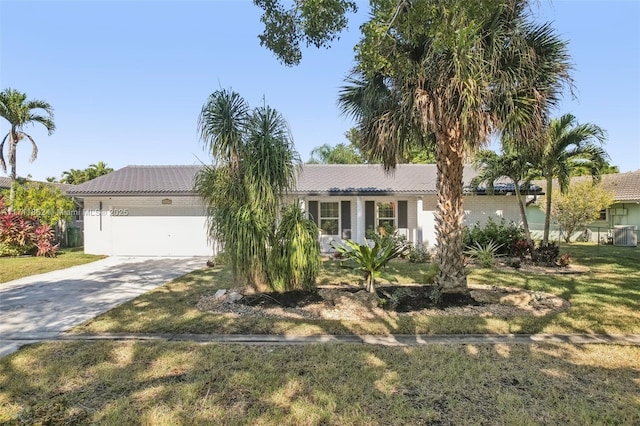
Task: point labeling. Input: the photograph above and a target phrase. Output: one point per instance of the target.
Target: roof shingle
(147, 180)
(313, 179)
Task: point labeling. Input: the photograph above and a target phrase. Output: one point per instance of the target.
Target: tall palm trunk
(449, 216)
(13, 142)
(547, 211)
(523, 215)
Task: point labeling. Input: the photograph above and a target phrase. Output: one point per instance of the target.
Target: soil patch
(354, 303)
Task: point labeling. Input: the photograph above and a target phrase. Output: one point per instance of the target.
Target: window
(386, 215)
(602, 214)
(330, 217)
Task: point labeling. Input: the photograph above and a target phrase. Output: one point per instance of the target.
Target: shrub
(564, 260)
(295, 255)
(418, 253)
(520, 249)
(484, 254)
(504, 235)
(20, 234)
(545, 255)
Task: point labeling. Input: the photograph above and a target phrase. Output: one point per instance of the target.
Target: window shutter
(369, 215)
(345, 218)
(403, 221)
(313, 212)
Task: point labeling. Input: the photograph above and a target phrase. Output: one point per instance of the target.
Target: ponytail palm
(254, 166)
(459, 70)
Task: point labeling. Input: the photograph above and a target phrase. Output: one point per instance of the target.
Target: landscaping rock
(220, 293)
(233, 297)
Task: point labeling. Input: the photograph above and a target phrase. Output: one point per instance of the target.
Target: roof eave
(134, 194)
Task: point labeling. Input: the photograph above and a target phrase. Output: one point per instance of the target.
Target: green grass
(606, 300)
(12, 268)
(169, 383)
(109, 383)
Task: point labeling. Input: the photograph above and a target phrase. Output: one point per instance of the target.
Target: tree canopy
(76, 176)
(21, 112)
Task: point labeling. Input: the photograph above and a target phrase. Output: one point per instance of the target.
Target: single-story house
(153, 211)
(5, 183)
(616, 224)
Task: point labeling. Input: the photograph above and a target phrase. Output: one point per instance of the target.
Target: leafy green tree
(565, 147)
(43, 201)
(579, 206)
(308, 22)
(512, 165)
(20, 112)
(254, 166)
(458, 70)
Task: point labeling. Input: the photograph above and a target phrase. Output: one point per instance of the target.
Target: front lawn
(12, 268)
(167, 383)
(606, 300)
(161, 383)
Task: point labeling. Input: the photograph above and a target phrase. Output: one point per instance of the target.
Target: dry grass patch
(336, 384)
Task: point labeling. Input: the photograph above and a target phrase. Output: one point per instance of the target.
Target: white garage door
(159, 231)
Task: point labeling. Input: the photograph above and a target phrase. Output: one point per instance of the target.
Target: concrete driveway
(45, 305)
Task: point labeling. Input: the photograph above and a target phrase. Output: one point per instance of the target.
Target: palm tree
(567, 146)
(19, 112)
(512, 165)
(459, 70)
(254, 166)
(97, 170)
(73, 176)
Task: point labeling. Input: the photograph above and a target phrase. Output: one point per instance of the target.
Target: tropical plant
(512, 165)
(484, 254)
(254, 166)
(567, 146)
(22, 234)
(295, 254)
(580, 206)
(339, 154)
(76, 177)
(506, 235)
(458, 70)
(45, 202)
(371, 258)
(20, 112)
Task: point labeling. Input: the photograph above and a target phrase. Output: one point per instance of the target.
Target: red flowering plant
(21, 234)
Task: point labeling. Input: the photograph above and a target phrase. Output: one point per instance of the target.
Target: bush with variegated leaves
(21, 234)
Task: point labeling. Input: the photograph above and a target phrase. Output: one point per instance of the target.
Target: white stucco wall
(144, 226)
(478, 208)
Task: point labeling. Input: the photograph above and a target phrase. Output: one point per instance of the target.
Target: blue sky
(127, 79)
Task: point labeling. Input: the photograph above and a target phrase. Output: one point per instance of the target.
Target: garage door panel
(161, 234)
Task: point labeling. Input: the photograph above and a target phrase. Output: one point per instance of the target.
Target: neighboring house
(153, 211)
(617, 221)
(68, 233)
(5, 183)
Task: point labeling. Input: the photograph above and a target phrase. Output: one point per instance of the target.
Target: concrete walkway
(41, 307)
(388, 340)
